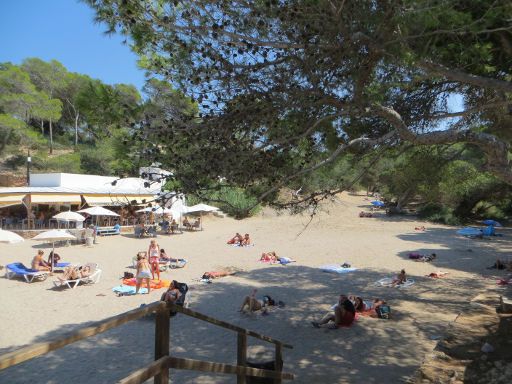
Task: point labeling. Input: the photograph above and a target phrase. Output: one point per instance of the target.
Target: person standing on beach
(143, 272)
(154, 256)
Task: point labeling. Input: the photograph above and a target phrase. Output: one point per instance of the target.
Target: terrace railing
(159, 368)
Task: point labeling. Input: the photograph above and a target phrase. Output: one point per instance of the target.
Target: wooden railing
(159, 369)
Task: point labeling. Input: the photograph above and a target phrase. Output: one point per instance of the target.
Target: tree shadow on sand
(371, 351)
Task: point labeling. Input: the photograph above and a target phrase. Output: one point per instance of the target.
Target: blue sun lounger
(18, 269)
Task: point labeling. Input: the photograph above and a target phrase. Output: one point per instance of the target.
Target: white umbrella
(69, 216)
(156, 210)
(53, 236)
(200, 208)
(98, 211)
(10, 237)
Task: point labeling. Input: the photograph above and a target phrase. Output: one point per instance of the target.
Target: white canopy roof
(98, 211)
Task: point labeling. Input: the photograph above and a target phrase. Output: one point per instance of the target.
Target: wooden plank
(210, 366)
(226, 325)
(143, 374)
(34, 350)
(162, 343)
(241, 358)
(279, 362)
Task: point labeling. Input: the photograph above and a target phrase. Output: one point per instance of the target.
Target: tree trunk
(51, 137)
(76, 129)
(42, 127)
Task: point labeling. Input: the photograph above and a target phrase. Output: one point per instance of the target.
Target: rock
(483, 357)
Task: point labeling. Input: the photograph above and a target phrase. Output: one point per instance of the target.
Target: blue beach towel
(336, 269)
(128, 289)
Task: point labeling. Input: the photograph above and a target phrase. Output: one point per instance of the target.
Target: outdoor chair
(18, 269)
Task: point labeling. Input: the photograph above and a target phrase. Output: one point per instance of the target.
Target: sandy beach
(371, 351)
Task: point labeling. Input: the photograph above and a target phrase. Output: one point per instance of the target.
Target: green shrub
(438, 213)
(232, 201)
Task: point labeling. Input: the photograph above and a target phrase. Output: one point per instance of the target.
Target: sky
(64, 30)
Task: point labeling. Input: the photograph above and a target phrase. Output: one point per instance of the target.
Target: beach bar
(32, 206)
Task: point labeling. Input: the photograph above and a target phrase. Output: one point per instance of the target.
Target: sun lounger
(93, 277)
(18, 269)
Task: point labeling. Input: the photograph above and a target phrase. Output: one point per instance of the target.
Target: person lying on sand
(343, 315)
(254, 304)
(368, 307)
(399, 279)
(216, 274)
(270, 257)
(422, 228)
(365, 214)
(419, 257)
(437, 274)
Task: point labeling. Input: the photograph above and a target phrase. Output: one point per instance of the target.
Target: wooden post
(241, 358)
(279, 362)
(162, 323)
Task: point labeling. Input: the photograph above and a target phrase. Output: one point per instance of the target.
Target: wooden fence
(159, 369)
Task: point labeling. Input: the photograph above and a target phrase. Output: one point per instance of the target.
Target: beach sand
(371, 351)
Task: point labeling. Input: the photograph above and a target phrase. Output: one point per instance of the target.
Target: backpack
(383, 311)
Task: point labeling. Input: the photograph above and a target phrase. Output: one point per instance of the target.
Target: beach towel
(336, 269)
(242, 246)
(127, 290)
(154, 284)
(388, 282)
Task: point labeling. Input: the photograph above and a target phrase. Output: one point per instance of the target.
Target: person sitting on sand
(500, 264)
(235, 239)
(399, 279)
(246, 240)
(38, 262)
(143, 272)
(172, 294)
(55, 257)
(254, 304)
(163, 256)
(343, 316)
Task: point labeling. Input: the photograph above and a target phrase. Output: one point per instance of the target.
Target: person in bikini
(38, 262)
(399, 279)
(254, 304)
(143, 272)
(172, 294)
(237, 239)
(154, 256)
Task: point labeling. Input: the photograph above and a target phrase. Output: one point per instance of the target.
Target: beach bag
(383, 311)
(128, 275)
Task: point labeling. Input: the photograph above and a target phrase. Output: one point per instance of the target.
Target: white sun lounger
(93, 278)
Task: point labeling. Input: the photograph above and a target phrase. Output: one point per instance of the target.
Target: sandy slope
(372, 351)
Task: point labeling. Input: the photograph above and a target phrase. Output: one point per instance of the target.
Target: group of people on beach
(240, 240)
(344, 312)
(40, 264)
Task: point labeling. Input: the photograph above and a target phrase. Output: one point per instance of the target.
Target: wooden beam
(241, 358)
(210, 366)
(226, 325)
(34, 350)
(162, 343)
(278, 362)
(143, 374)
